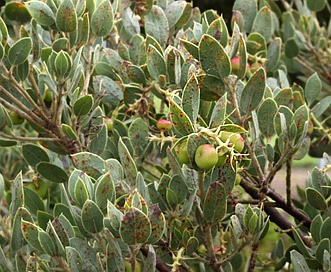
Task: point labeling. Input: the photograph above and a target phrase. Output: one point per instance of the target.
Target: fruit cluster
(207, 156)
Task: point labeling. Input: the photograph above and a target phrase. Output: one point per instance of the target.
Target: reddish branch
(273, 213)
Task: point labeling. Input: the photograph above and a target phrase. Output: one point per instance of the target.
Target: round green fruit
(206, 156)
(236, 140)
(182, 153)
(256, 66)
(15, 118)
(221, 160)
(40, 187)
(164, 125)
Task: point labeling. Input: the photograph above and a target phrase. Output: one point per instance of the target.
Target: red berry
(164, 125)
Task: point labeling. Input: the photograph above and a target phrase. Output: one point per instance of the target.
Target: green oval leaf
(102, 19)
(263, 23)
(90, 163)
(219, 112)
(266, 116)
(299, 262)
(80, 192)
(214, 207)
(191, 48)
(19, 52)
(219, 31)
(191, 98)
(135, 227)
(178, 13)
(68, 131)
(61, 64)
(181, 122)
(157, 220)
(291, 48)
(253, 91)
(30, 233)
(322, 246)
(17, 239)
(17, 193)
(92, 217)
(211, 87)
(156, 25)
(138, 134)
(155, 63)
(41, 12)
(313, 88)
(32, 201)
(248, 9)
(52, 172)
(128, 162)
(273, 54)
(213, 58)
(105, 191)
(316, 5)
(316, 199)
(74, 259)
(130, 22)
(66, 16)
(34, 154)
(83, 105)
(46, 243)
(17, 11)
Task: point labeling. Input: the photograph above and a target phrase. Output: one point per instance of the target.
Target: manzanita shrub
(146, 135)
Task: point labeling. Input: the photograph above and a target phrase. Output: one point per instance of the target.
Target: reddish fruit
(206, 156)
(164, 125)
(182, 153)
(235, 63)
(236, 140)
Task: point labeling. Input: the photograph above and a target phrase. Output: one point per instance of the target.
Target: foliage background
(91, 182)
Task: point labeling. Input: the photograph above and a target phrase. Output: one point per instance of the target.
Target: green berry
(206, 156)
(182, 153)
(236, 140)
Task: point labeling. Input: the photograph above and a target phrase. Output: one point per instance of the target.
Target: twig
(245, 137)
(275, 216)
(28, 139)
(288, 181)
(254, 254)
(36, 90)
